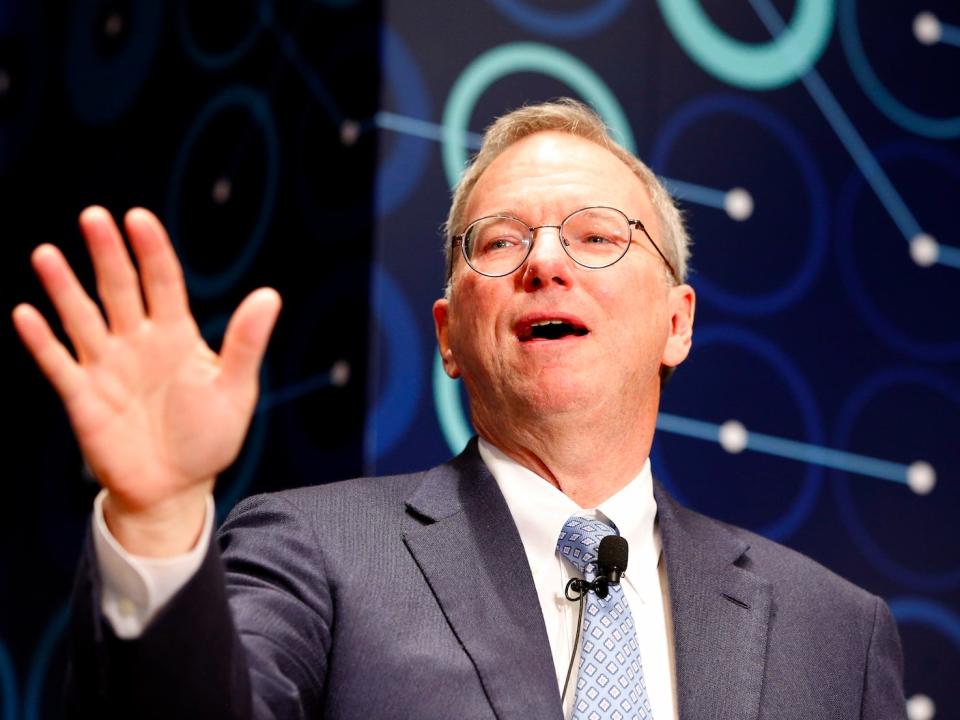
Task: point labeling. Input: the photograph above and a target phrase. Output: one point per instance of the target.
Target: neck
(566, 451)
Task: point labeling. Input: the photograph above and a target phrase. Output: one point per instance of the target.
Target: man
(440, 594)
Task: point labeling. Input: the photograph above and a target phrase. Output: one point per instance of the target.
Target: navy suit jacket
(410, 596)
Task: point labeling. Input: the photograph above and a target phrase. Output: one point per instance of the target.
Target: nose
(547, 263)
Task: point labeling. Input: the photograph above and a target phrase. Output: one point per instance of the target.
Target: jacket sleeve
(246, 637)
(883, 697)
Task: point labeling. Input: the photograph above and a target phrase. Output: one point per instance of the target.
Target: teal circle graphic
(503, 60)
(896, 111)
(454, 425)
(753, 66)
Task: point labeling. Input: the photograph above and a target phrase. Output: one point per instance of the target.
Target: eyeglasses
(594, 237)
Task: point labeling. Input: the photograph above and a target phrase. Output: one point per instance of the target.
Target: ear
(681, 302)
(441, 324)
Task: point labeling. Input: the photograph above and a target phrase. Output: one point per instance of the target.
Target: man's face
(627, 317)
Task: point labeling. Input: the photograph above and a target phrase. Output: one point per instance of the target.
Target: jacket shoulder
(795, 578)
(359, 494)
(799, 574)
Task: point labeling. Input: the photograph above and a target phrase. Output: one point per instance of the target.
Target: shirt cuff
(135, 588)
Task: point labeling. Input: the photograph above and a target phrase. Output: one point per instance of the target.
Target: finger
(80, 316)
(52, 357)
(117, 281)
(245, 340)
(160, 271)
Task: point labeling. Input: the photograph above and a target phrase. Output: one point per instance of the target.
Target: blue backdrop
(814, 147)
(311, 146)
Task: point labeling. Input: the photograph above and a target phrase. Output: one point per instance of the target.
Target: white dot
(114, 25)
(924, 250)
(340, 373)
(926, 28)
(4, 81)
(920, 707)
(921, 477)
(349, 132)
(221, 190)
(738, 203)
(733, 436)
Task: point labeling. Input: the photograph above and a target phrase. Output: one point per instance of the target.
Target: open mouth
(550, 330)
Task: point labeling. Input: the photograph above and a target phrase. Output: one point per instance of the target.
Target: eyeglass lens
(593, 237)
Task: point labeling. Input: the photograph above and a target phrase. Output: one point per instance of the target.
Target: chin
(557, 395)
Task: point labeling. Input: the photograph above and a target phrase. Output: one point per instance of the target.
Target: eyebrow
(511, 212)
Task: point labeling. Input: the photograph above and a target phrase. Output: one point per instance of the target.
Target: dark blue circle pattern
(102, 88)
(257, 105)
(400, 170)
(562, 24)
(213, 61)
(852, 409)
(886, 102)
(393, 410)
(748, 108)
(801, 505)
(896, 337)
(306, 361)
(920, 611)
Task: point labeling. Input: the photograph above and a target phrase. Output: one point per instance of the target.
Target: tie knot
(579, 541)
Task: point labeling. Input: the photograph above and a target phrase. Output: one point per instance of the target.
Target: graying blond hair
(573, 117)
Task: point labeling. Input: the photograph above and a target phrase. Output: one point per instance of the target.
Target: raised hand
(156, 412)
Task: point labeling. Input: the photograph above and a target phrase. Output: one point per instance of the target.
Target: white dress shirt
(135, 588)
(540, 510)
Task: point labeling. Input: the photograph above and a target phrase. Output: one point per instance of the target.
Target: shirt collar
(540, 509)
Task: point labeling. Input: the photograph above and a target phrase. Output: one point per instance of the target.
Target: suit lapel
(721, 614)
(468, 548)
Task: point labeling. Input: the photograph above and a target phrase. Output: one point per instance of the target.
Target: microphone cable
(577, 585)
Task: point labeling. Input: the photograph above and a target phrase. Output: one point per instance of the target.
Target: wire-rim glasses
(593, 237)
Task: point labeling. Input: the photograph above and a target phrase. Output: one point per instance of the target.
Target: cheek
(648, 321)
(473, 325)
(483, 298)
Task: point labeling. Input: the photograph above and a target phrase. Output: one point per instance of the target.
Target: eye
(596, 240)
(497, 236)
(498, 244)
(502, 243)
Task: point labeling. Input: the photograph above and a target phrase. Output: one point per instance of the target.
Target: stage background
(311, 146)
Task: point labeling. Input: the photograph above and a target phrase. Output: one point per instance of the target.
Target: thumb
(245, 340)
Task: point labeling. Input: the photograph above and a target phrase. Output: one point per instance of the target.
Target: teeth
(547, 322)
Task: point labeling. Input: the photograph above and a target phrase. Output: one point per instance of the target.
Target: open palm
(156, 412)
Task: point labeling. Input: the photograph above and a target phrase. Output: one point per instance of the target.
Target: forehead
(548, 175)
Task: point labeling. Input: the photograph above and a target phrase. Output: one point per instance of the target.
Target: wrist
(162, 529)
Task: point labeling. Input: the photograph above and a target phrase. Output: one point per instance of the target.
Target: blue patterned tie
(610, 676)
